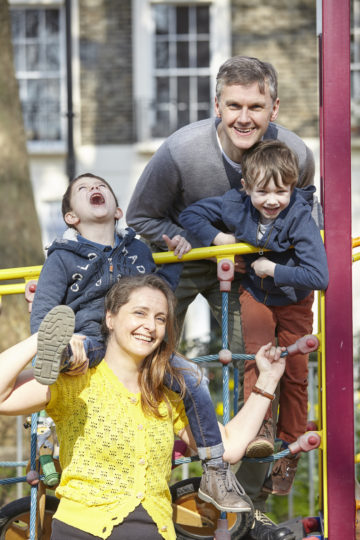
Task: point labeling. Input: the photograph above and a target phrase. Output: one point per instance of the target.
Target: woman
(115, 423)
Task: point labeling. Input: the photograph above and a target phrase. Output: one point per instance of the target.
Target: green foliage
(195, 469)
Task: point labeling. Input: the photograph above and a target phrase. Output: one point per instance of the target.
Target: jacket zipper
(111, 269)
(261, 253)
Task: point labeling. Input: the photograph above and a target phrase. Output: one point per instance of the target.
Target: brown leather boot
(282, 476)
(263, 444)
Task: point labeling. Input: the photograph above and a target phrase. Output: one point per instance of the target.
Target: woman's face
(139, 326)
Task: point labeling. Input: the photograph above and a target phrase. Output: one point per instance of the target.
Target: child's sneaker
(282, 476)
(54, 335)
(263, 444)
(220, 487)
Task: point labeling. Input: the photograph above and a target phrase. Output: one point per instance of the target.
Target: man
(202, 160)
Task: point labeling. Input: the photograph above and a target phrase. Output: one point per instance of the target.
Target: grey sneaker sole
(204, 497)
(54, 335)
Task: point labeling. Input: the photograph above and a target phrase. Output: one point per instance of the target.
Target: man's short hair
(66, 204)
(246, 70)
(273, 160)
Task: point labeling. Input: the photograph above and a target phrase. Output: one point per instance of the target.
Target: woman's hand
(269, 362)
(79, 361)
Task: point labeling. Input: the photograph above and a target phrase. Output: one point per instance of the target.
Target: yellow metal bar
(356, 242)
(26, 272)
(13, 288)
(207, 253)
(323, 476)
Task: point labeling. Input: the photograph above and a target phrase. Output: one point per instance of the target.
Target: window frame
(45, 146)
(143, 54)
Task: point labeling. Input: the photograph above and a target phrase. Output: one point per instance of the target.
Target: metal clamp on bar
(306, 442)
(30, 289)
(225, 273)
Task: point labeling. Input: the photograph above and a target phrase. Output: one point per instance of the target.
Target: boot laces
(231, 482)
(260, 516)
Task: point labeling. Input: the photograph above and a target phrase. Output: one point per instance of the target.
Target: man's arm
(307, 168)
(153, 203)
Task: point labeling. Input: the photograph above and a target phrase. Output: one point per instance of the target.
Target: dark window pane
(32, 57)
(51, 127)
(162, 54)
(19, 57)
(202, 20)
(36, 91)
(203, 88)
(182, 54)
(53, 93)
(52, 22)
(52, 57)
(162, 90)
(183, 118)
(16, 26)
(161, 19)
(32, 23)
(203, 114)
(183, 89)
(182, 20)
(203, 54)
(162, 126)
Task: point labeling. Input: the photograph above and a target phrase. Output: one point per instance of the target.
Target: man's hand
(269, 362)
(178, 244)
(79, 361)
(263, 267)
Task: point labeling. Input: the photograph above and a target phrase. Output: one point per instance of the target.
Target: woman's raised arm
(245, 425)
(20, 393)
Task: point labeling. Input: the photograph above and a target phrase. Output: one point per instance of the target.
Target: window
(178, 48)
(182, 66)
(39, 66)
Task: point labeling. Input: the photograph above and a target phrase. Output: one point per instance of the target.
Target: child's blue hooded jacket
(294, 240)
(79, 274)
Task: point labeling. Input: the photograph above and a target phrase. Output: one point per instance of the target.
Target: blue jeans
(199, 409)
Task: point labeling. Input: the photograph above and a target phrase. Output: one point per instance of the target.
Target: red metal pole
(336, 187)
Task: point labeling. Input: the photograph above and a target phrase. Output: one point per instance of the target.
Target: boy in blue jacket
(79, 270)
(277, 290)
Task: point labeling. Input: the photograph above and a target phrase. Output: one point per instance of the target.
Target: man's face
(245, 115)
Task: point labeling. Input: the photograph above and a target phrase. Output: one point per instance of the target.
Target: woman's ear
(109, 320)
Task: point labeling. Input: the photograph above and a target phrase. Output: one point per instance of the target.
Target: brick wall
(283, 32)
(106, 72)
